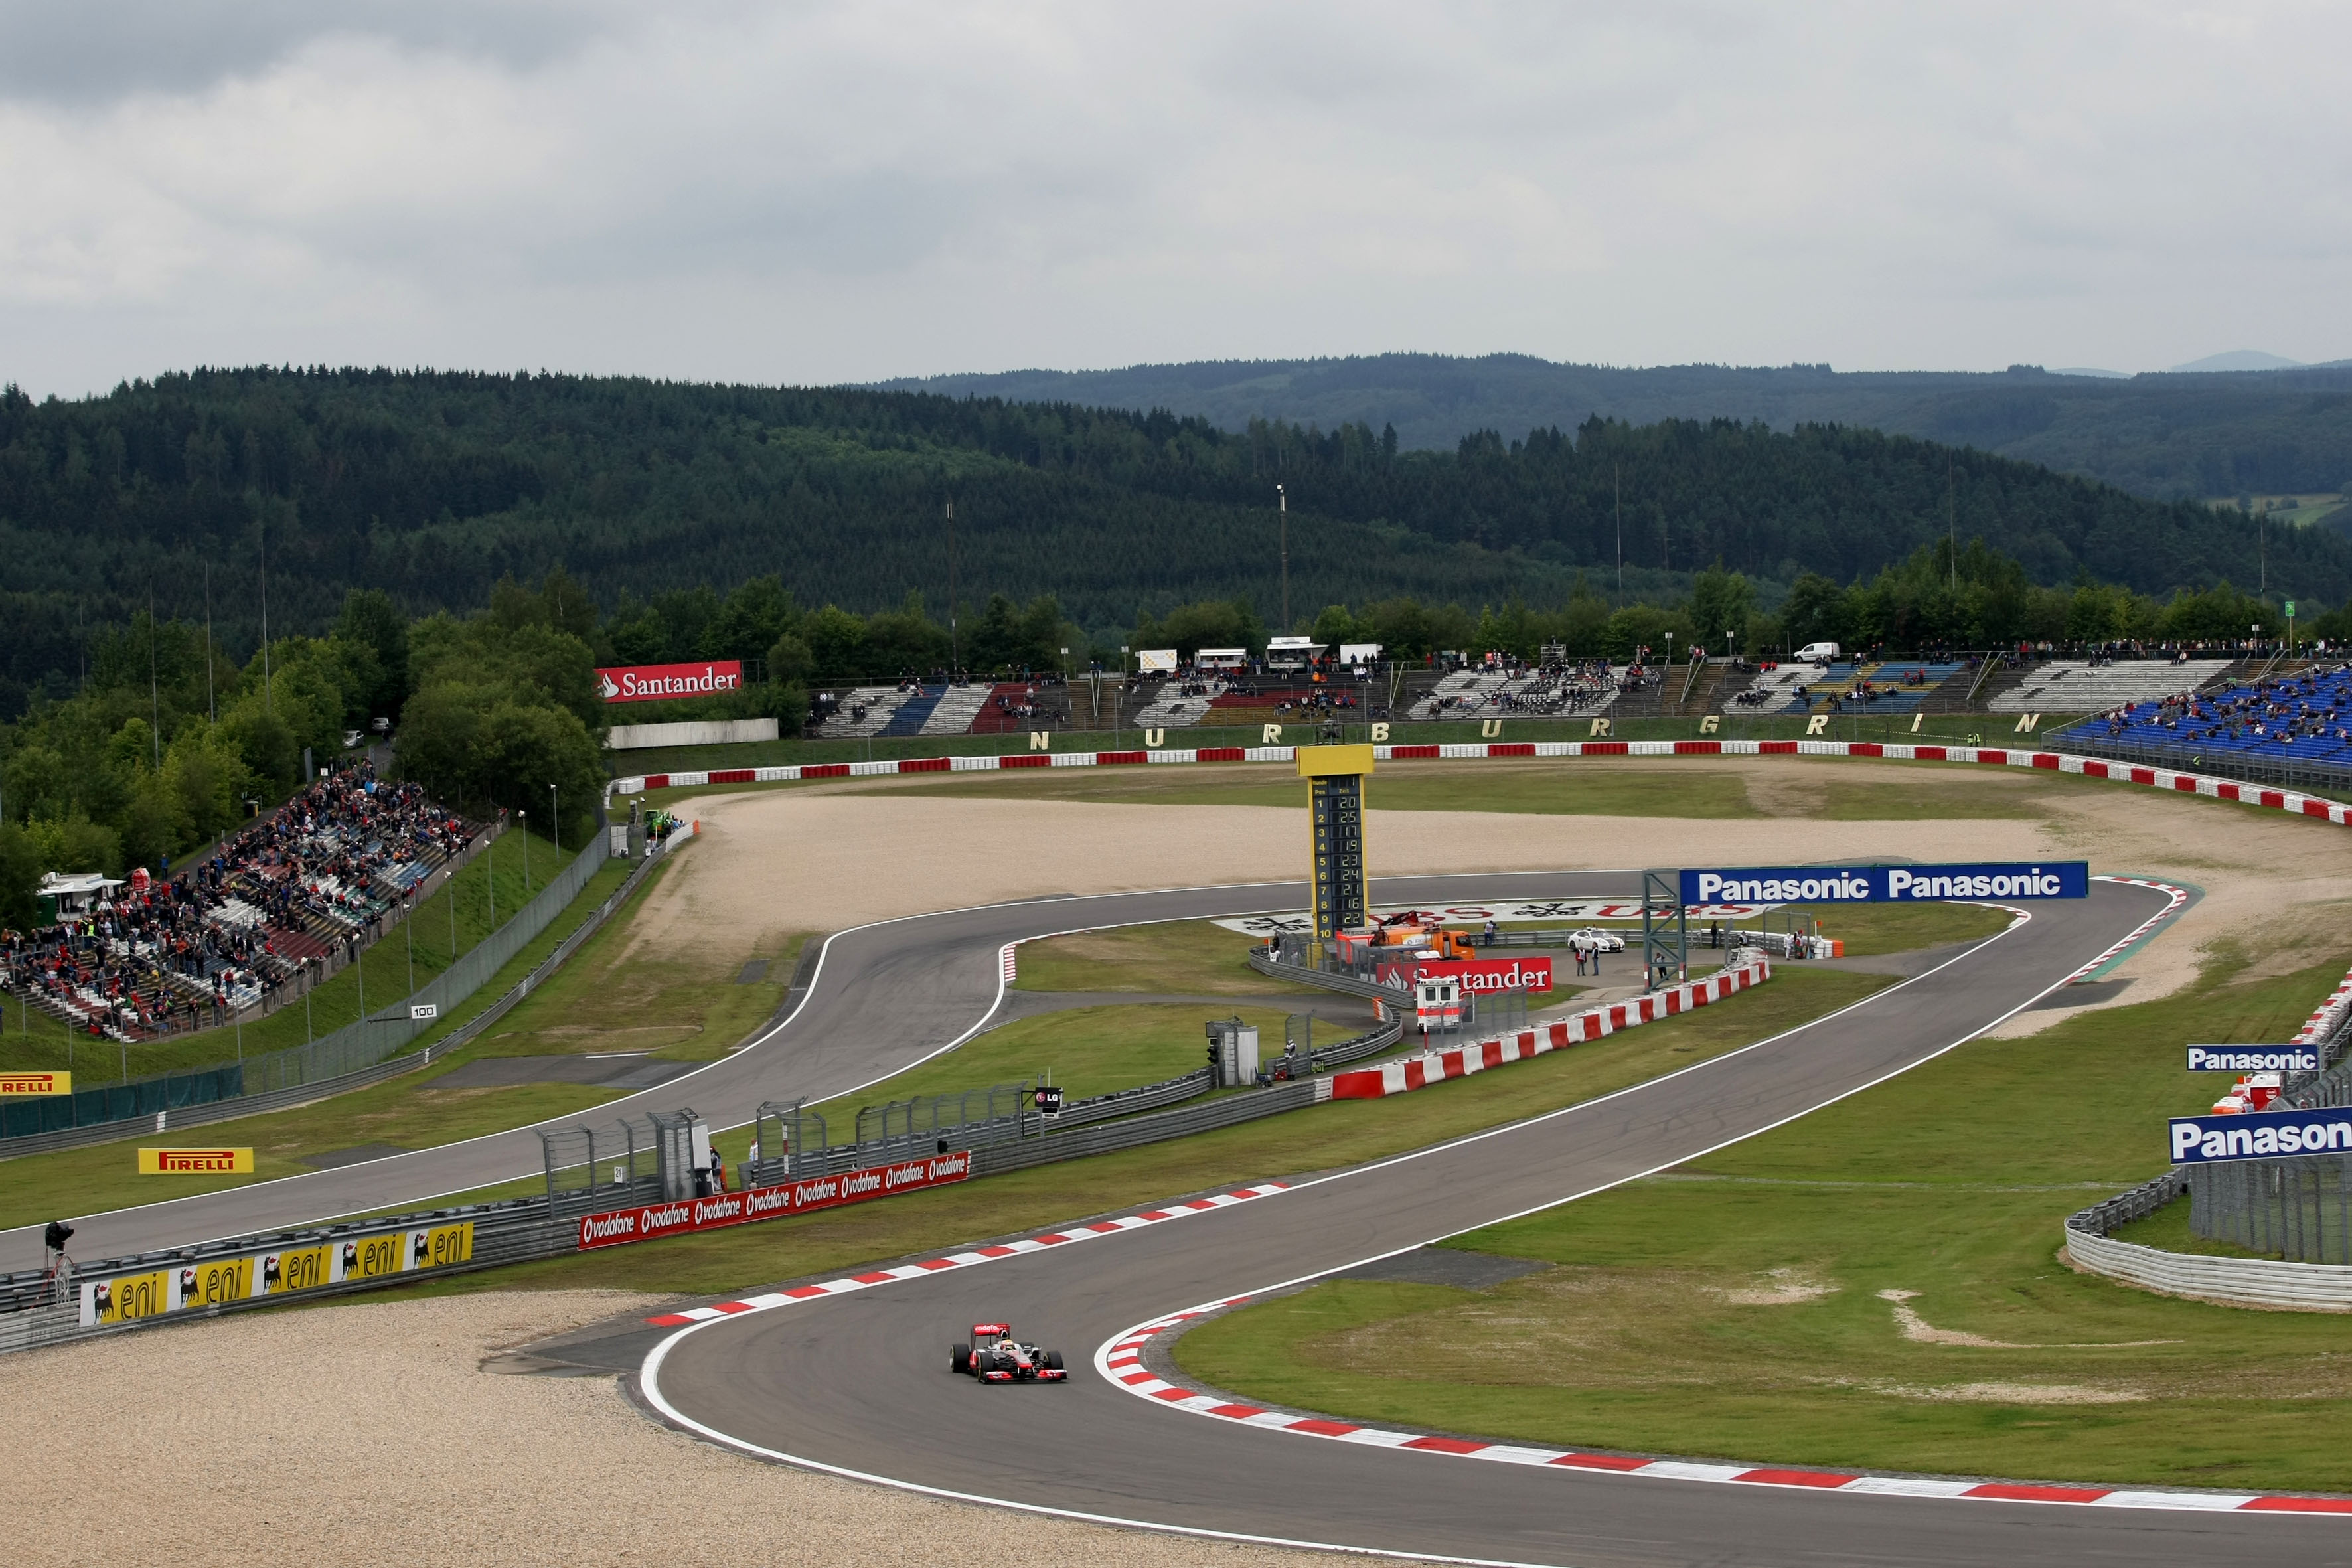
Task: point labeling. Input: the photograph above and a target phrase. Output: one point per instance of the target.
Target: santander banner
(1478, 974)
(617, 1227)
(656, 682)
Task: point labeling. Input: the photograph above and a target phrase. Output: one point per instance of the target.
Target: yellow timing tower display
(1335, 795)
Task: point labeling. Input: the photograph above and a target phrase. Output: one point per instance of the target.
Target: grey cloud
(85, 51)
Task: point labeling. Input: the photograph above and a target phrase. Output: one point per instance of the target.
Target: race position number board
(1335, 782)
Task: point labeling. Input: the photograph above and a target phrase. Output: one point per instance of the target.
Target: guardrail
(267, 1269)
(1127, 1108)
(1329, 980)
(2237, 1281)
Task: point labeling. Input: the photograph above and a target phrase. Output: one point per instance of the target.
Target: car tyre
(961, 1358)
(1054, 1360)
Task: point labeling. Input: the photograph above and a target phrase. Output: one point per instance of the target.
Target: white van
(1818, 652)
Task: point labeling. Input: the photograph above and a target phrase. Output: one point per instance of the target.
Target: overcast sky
(818, 192)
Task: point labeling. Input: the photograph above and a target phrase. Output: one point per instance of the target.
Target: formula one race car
(995, 1356)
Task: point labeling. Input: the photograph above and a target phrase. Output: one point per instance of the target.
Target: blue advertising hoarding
(2260, 1135)
(2253, 1058)
(1887, 884)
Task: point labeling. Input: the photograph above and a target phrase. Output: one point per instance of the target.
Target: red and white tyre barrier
(2289, 801)
(1121, 1362)
(1460, 1061)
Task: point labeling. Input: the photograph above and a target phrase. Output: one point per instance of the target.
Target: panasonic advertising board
(1887, 884)
(2253, 1058)
(2260, 1135)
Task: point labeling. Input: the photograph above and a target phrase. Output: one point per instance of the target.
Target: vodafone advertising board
(617, 1227)
(659, 682)
(1484, 974)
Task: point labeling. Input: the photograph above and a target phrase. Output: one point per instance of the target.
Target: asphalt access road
(859, 1382)
(883, 997)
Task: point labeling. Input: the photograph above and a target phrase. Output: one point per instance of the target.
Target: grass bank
(1874, 1285)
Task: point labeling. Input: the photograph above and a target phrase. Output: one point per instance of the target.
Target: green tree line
(430, 487)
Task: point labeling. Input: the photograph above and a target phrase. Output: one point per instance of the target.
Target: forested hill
(432, 486)
(2273, 433)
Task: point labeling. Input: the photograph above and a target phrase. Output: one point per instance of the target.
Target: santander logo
(1488, 974)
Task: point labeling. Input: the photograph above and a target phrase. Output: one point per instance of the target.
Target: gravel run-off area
(370, 1434)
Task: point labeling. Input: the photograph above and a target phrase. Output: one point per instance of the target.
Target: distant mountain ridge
(2168, 435)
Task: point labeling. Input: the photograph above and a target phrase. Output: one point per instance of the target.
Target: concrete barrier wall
(700, 732)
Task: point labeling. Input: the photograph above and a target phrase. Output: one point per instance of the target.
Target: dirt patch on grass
(2017, 1393)
(1775, 1288)
(256, 1442)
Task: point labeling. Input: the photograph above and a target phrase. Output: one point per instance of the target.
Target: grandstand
(1518, 691)
(2290, 727)
(1780, 690)
(143, 958)
(862, 710)
(958, 709)
(1178, 704)
(2076, 686)
(1010, 707)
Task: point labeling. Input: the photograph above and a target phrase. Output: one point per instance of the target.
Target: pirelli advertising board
(195, 1162)
(217, 1282)
(34, 1085)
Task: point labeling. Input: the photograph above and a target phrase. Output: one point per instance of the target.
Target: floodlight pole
(1282, 511)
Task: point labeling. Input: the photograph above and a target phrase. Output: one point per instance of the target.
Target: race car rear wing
(982, 1331)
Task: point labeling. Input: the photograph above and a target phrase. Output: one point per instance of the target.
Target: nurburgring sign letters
(1887, 884)
(2260, 1135)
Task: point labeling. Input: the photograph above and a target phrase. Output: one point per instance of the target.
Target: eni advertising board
(219, 1282)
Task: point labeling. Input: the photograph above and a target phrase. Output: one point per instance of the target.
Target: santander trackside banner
(1480, 976)
(656, 682)
(616, 1228)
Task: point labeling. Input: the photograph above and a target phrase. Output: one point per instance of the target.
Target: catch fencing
(2299, 1208)
(793, 1140)
(2081, 739)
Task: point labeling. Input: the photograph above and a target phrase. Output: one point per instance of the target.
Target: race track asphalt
(883, 997)
(857, 1383)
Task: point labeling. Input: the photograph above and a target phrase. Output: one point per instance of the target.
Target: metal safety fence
(790, 1136)
(2312, 778)
(2299, 1208)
